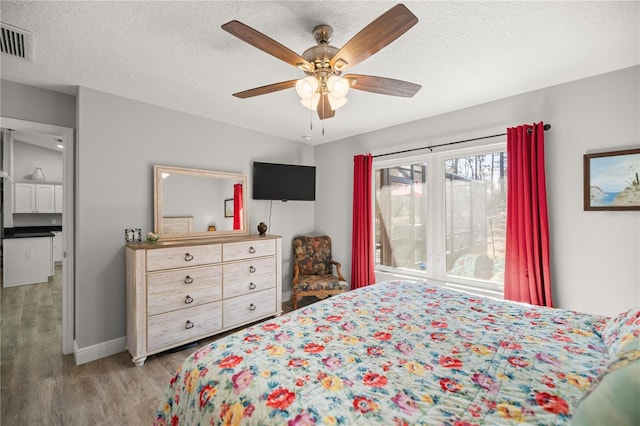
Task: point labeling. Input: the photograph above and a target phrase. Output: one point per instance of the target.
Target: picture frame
(611, 180)
(228, 207)
(133, 235)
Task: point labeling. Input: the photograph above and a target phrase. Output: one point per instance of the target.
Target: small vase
(262, 228)
(38, 174)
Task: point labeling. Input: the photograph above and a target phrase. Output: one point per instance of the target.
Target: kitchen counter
(31, 231)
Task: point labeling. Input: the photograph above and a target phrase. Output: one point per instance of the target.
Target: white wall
(29, 103)
(34, 104)
(119, 140)
(26, 157)
(595, 256)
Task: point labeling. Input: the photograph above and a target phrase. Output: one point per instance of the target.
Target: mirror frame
(158, 170)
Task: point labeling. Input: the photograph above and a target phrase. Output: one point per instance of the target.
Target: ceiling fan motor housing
(321, 54)
(323, 33)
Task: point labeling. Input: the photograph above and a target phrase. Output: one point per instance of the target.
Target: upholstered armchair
(313, 269)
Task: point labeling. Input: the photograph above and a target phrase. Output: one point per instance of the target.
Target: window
(443, 216)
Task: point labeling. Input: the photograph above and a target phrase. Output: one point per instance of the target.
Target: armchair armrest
(296, 275)
(338, 266)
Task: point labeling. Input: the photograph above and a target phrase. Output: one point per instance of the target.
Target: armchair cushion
(312, 255)
(321, 282)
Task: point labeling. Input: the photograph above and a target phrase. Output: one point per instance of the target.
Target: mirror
(193, 203)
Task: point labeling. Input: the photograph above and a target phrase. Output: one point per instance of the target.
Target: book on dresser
(182, 291)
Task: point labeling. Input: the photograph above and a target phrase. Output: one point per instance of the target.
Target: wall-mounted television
(273, 181)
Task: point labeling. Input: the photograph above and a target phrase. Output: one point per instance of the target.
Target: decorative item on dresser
(262, 229)
(182, 291)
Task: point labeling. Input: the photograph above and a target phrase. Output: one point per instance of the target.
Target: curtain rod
(430, 148)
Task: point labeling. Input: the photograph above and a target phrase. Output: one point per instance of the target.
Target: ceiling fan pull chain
(322, 100)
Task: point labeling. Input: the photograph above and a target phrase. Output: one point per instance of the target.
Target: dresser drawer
(159, 303)
(184, 279)
(249, 276)
(177, 257)
(184, 325)
(247, 308)
(248, 249)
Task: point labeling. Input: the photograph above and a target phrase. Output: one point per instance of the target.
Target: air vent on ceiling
(16, 42)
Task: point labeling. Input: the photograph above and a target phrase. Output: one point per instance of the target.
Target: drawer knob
(188, 299)
(252, 250)
(189, 325)
(252, 307)
(188, 257)
(188, 280)
(252, 286)
(252, 269)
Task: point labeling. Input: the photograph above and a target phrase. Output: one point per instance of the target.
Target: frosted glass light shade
(306, 87)
(338, 86)
(336, 102)
(311, 102)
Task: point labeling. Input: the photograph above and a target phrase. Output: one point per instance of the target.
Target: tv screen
(272, 181)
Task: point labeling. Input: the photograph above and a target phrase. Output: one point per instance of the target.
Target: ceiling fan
(323, 89)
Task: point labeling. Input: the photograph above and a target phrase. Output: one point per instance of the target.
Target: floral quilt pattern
(399, 352)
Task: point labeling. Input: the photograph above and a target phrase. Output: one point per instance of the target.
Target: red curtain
(237, 206)
(362, 260)
(527, 278)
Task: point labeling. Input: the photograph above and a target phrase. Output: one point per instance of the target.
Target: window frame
(436, 211)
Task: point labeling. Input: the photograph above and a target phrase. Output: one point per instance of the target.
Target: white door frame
(68, 229)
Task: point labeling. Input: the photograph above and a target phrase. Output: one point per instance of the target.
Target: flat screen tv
(272, 181)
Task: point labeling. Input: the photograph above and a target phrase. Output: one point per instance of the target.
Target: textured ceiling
(174, 54)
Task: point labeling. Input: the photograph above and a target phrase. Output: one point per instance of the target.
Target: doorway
(65, 136)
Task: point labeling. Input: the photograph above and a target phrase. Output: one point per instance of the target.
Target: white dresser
(182, 291)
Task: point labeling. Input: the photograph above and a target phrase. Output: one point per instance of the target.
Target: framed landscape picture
(611, 180)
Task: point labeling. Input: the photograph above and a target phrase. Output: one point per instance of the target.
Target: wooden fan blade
(378, 34)
(263, 90)
(267, 45)
(383, 85)
(324, 108)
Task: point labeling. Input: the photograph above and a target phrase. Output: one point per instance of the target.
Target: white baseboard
(286, 296)
(100, 350)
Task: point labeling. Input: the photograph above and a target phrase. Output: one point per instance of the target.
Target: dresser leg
(139, 361)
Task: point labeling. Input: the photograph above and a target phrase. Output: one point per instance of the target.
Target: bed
(403, 353)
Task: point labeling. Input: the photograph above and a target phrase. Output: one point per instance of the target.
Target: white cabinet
(27, 260)
(35, 198)
(45, 198)
(58, 247)
(183, 291)
(25, 198)
(58, 200)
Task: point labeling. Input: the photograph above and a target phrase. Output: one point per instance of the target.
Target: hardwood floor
(40, 386)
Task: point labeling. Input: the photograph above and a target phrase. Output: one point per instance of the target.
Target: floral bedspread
(394, 353)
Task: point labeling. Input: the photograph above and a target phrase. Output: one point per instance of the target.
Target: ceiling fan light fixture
(311, 102)
(307, 87)
(336, 102)
(337, 86)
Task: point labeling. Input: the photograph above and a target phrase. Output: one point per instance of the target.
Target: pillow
(621, 330)
(614, 398)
